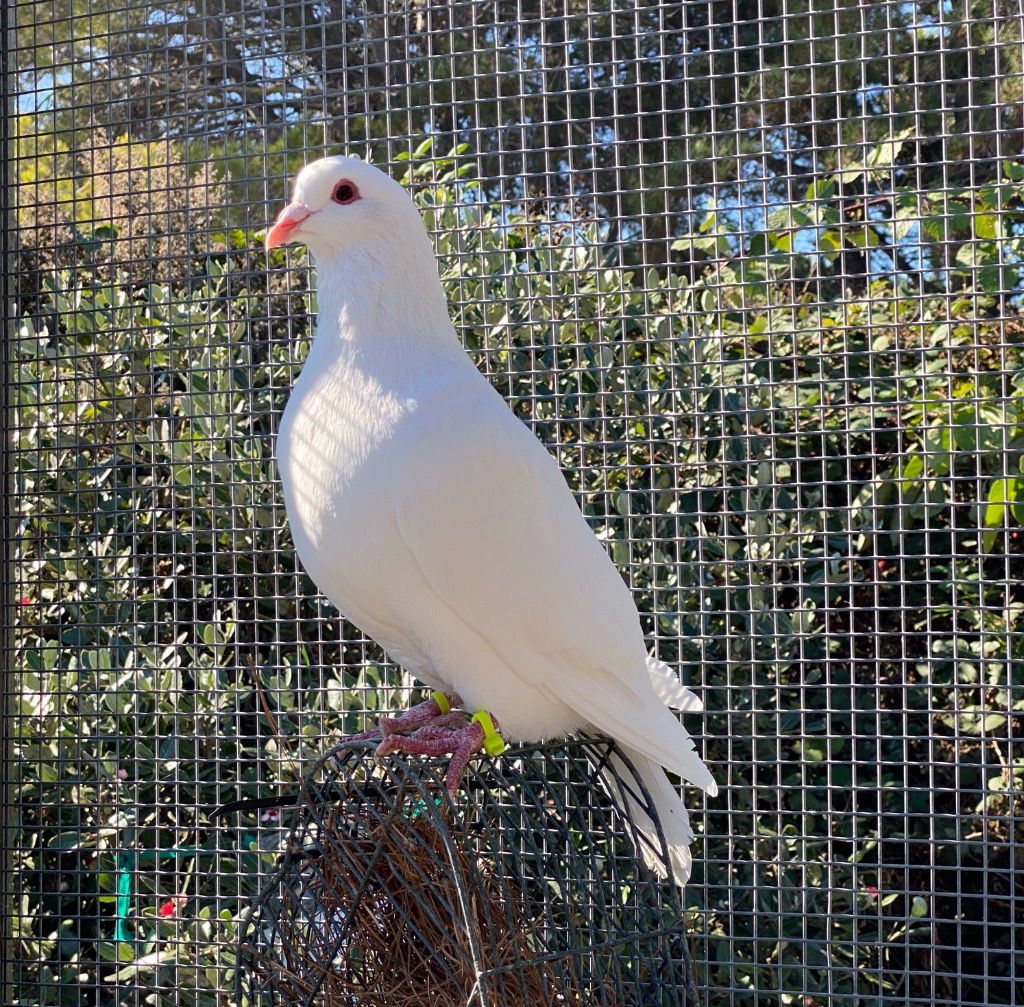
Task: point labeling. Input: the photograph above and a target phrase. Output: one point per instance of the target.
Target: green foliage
(815, 500)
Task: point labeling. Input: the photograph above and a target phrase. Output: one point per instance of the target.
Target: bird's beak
(287, 220)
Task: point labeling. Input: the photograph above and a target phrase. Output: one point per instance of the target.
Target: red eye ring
(345, 192)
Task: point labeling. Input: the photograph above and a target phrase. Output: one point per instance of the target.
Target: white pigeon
(438, 524)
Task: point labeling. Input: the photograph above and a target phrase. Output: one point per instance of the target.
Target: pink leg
(461, 743)
(420, 715)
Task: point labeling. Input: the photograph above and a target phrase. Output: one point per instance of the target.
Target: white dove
(438, 524)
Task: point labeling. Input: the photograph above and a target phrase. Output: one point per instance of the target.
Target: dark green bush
(815, 492)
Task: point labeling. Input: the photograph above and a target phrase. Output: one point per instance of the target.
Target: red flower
(172, 905)
(871, 891)
(25, 601)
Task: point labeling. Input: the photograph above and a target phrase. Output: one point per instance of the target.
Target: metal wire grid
(793, 451)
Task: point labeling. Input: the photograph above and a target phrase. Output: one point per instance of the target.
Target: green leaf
(862, 236)
(995, 512)
(848, 174)
(994, 279)
(67, 841)
(905, 219)
(912, 471)
(998, 496)
(1015, 497)
(988, 225)
(1014, 171)
(821, 189)
(884, 155)
(830, 243)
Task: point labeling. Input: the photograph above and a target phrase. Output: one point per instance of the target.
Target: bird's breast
(332, 452)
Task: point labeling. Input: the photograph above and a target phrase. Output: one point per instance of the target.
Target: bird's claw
(436, 709)
(461, 743)
(388, 726)
(450, 722)
(435, 728)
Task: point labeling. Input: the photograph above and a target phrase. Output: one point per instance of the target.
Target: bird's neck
(371, 304)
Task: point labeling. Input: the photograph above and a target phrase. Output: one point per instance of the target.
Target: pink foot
(459, 742)
(421, 715)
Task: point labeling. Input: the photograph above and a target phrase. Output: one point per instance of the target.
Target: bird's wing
(496, 534)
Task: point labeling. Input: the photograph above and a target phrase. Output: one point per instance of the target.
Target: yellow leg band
(494, 744)
(442, 701)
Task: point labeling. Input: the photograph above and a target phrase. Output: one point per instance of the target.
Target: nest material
(524, 894)
(395, 941)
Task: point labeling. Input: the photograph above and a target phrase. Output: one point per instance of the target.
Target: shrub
(815, 498)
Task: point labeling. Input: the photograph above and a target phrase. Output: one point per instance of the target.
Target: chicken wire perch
(527, 892)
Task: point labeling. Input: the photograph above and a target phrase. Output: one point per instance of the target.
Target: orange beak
(287, 220)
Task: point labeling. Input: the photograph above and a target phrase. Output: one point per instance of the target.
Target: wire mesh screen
(751, 271)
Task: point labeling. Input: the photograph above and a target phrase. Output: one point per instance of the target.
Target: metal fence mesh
(752, 271)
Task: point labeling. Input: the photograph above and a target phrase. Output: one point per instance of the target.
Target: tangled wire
(526, 894)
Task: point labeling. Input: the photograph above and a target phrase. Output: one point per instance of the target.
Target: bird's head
(340, 203)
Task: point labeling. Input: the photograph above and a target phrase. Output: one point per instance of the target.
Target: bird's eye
(345, 192)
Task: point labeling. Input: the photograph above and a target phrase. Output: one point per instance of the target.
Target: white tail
(667, 806)
(675, 822)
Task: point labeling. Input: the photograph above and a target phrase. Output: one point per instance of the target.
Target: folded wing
(496, 534)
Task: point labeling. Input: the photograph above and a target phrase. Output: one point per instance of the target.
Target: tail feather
(667, 806)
